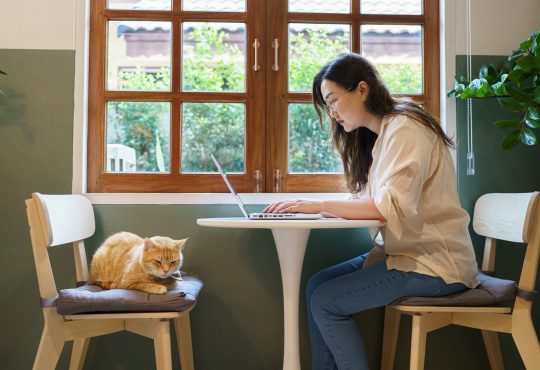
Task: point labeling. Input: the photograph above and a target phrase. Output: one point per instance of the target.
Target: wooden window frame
(266, 96)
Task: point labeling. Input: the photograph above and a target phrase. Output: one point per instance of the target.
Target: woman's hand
(295, 206)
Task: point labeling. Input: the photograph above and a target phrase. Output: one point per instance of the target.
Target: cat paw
(159, 289)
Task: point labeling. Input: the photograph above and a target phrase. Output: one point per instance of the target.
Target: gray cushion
(92, 298)
(490, 291)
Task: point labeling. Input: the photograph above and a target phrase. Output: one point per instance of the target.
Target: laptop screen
(231, 188)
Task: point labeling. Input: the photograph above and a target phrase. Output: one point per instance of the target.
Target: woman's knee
(323, 304)
(313, 283)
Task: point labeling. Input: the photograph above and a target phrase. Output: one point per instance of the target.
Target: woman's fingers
(279, 206)
(272, 207)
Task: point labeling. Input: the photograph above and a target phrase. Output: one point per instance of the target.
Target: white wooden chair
(510, 217)
(60, 219)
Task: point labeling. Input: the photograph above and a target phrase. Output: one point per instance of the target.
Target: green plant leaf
(462, 80)
(537, 95)
(484, 71)
(516, 75)
(499, 88)
(507, 123)
(532, 118)
(533, 113)
(516, 54)
(535, 40)
(518, 95)
(525, 45)
(3, 73)
(512, 105)
(528, 63)
(511, 140)
(531, 122)
(457, 90)
(527, 137)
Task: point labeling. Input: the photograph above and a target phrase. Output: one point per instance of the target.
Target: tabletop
(323, 223)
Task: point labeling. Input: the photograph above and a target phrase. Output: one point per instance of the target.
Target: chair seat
(419, 309)
(93, 299)
(491, 291)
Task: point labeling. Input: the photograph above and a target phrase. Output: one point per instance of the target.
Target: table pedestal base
(291, 247)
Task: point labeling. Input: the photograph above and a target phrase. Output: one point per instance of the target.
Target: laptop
(262, 216)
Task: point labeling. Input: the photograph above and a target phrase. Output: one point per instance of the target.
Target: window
(172, 81)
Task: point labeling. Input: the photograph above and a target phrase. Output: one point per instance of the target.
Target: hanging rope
(470, 150)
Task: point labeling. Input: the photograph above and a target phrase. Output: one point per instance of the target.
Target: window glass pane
(391, 6)
(138, 136)
(397, 52)
(139, 56)
(215, 5)
(140, 4)
(310, 147)
(310, 47)
(213, 128)
(320, 6)
(214, 57)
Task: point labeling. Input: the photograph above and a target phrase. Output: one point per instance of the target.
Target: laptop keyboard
(273, 215)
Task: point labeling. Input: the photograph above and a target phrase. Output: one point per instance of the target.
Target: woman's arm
(353, 209)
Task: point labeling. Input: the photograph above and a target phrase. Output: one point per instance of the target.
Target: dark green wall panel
(36, 129)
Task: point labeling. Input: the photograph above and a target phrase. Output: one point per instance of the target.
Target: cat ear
(180, 243)
(148, 244)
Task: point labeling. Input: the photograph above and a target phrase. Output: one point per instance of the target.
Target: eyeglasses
(331, 104)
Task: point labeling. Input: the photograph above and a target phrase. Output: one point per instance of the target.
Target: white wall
(498, 25)
(37, 24)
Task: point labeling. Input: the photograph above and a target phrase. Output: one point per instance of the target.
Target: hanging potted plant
(516, 86)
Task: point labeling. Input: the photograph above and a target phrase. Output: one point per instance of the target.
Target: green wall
(238, 323)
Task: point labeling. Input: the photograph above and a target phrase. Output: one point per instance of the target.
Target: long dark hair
(355, 147)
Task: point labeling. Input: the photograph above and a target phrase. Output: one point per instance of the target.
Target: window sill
(202, 198)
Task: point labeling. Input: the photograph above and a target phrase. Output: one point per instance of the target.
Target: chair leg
(50, 348)
(183, 338)
(493, 349)
(392, 318)
(526, 341)
(418, 343)
(78, 353)
(162, 346)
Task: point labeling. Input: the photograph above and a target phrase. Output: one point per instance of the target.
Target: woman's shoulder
(404, 125)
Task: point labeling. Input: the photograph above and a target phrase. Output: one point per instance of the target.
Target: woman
(396, 156)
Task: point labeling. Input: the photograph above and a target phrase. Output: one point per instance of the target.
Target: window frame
(266, 129)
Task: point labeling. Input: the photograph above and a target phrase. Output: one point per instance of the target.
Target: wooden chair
(510, 217)
(61, 219)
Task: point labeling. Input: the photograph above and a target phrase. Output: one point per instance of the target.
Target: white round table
(290, 237)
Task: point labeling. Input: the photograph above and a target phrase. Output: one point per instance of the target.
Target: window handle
(258, 181)
(275, 45)
(256, 46)
(277, 182)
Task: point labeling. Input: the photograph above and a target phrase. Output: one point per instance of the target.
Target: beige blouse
(413, 183)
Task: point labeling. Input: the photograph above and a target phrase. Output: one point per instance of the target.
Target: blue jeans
(334, 294)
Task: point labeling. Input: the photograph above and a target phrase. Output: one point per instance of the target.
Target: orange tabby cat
(128, 261)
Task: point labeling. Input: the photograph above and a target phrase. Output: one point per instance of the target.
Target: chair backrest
(65, 218)
(505, 216)
(515, 218)
(56, 220)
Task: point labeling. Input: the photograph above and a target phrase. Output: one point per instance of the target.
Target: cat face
(162, 256)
